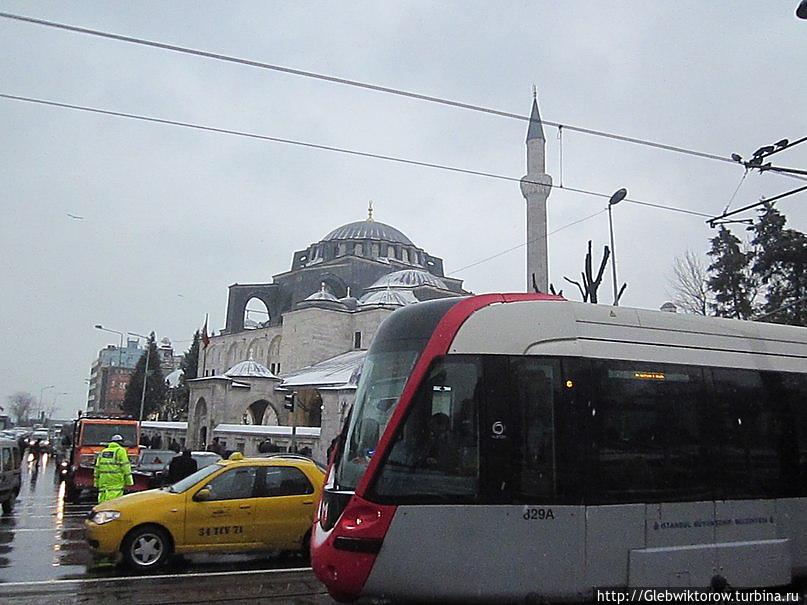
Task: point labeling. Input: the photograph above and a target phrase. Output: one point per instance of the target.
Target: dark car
(154, 464)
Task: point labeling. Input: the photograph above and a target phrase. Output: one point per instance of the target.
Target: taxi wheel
(146, 547)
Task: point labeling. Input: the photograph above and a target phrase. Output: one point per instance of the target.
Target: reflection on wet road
(43, 539)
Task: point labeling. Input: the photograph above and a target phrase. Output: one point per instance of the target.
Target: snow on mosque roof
(408, 278)
(249, 369)
(397, 298)
(173, 379)
(340, 370)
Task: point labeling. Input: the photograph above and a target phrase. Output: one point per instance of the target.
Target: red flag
(205, 337)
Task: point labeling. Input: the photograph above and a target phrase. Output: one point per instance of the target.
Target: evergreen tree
(177, 400)
(155, 384)
(780, 263)
(730, 277)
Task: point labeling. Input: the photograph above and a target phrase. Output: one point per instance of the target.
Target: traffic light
(289, 405)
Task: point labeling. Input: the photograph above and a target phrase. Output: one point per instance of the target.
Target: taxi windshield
(188, 482)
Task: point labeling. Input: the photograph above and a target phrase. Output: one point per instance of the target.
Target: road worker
(112, 470)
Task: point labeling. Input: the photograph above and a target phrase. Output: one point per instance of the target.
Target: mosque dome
(409, 278)
(249, 369)
(368, 229)
(393, 298)
(323, 295)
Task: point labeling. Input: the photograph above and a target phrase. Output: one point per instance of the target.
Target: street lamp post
(617, 197)
(120, 349)
(145, 373)
(41, 391)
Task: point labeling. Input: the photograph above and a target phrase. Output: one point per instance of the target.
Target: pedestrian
(174, 446)
(145, 440)
(156, 442)
(217, 447)
(112, 470)
(181, 466)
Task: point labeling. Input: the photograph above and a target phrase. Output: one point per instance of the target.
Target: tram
(521, 446)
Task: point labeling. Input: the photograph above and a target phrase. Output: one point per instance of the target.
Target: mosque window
(357, 340)
(404, 255)
(376, 251)
(358, 250)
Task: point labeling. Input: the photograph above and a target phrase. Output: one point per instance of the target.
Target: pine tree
(155, 384)
(780, 262)
(177, 403)
(730, 277)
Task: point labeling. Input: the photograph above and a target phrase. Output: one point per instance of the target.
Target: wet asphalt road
(44, 558)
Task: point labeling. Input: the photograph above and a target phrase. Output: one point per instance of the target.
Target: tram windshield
(383, 378)
(389, 362)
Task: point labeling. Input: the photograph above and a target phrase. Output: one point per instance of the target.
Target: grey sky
(172, 212)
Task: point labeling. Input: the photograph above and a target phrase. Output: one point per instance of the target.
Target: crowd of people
(156, 443)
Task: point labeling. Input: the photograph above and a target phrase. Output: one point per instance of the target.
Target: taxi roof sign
(235, 456)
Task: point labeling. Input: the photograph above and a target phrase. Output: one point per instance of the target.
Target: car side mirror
(202, 495)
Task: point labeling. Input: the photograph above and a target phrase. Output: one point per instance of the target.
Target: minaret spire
(370, 212)
(535, 187)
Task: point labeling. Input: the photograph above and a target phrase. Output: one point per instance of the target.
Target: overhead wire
(733, 195)
(331, 148)
(356, 84)
(527, 243)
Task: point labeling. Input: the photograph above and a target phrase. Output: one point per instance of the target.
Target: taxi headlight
(104, 516)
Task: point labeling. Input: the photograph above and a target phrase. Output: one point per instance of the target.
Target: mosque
(321, 316)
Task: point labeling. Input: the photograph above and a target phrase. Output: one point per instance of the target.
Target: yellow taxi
(235, 505)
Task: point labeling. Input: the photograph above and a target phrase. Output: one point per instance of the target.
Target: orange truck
(89, 436)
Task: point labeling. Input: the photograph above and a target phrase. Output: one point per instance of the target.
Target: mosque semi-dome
(249, 369)
(409, 278)
(368, 229)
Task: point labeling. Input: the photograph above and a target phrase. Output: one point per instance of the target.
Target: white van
(10, 462)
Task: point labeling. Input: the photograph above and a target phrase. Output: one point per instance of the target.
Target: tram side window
(6, 464)
(750, 436)
(786, 395)
(436, 452)
(534, 468)
(647, 428)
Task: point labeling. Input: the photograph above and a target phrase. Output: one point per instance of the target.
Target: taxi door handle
(219, 512)
(244, 506)
(307, 502)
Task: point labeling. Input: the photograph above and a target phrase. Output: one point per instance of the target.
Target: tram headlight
(104, 516)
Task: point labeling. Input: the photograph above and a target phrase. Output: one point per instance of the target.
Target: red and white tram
(512, 446)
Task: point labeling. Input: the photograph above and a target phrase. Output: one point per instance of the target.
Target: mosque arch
(200, 422)
(256, 313)
(256, 349)
(273, 355)
(335, 284)
(260, 411)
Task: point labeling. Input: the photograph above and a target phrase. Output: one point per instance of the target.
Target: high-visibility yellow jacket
(112, 468)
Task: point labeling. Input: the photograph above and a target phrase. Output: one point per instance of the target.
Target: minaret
(535, 187)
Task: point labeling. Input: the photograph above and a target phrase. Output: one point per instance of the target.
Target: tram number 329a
(538, 514)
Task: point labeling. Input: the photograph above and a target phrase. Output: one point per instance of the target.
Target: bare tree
(689, 284)
(20, 405)
(590, 286)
